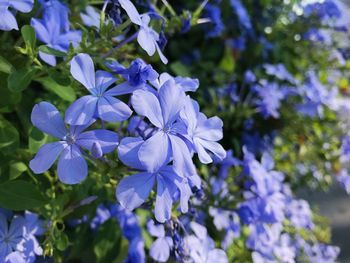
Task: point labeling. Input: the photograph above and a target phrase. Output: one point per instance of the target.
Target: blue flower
(18, 241)
(133, 190)
(280, 72)
(50, 32)
(162, 110)
(147, 37)
(184, 83)
(136, 75)
(72, 167)
(203, 132)
(101, 102)
(201, 247)
(8, 20)
(58, 10)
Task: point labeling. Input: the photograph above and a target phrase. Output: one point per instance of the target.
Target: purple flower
(203, 132)
(160, 249)
(133, 190)
(54, 36)
(101, 102)
(72, 167)
(8, 20)
(147, 37)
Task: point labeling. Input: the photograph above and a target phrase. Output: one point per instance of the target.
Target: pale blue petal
(49, 59)
(46, 118)
(106, 139)
(113, 110)
(160, 250)
(171, 100)
(146, 41)
(128, 152)
(155, 152)
(71, 37)
(164, 200)
(217, 256)
(202, 146)
(81, 111)
(146, 104)
(83, 70)
(161, 55)
(40, 30)
(72, 167)
(8, 20)
(209, 129)
(155, 230)
(133, 190)
(23, 6)
(46, 156)
(131, 10)
(121, 89)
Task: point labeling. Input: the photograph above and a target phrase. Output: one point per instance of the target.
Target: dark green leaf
(20, 195)
(9, 137)
(36, 139)
(20, 79)
(16, 169)
(64, 92)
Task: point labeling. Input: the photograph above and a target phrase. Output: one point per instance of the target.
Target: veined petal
(146, 104)
(108, 140)
(17, 228)
(83, 70)
(81, 111)
(203, 156)
(213, 147)
(113, 110)
(209, 129)
(161, 55)
(72, 167)
(3, 225)
(49, 59)
(133, 190)
(171, 100)
(46, 118)
(131, 10)
(104, 80)
(155, 152)
(128, 152)
(40, 30)
(121, 89)
(46, 156)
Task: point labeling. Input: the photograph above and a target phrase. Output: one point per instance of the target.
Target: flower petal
(133, 190)
(172, 100)
(107, 140)
(128, 152)
(49, 59)
(131, 10)
(147, 41)
(160, 250)
(46, 118)
(23, 6)
(81, 111)
(72, 167)
(8, 20)
(46, 156)
(146, 104)
(83, 70)
(155, 152)
(113, 110)
(164, 199)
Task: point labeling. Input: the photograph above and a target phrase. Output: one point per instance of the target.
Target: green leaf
(107, 242)
(180, 69)
(5, 66)
(19, 80)
(64, 92)
(20, 195)
(227, 63)
(16, 169)
(36, 139)
(28, 34)
(51, 51)
(9, 137)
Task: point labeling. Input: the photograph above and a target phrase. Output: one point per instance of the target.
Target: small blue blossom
(72, 167)
(242, 14)
(217, 26)
(91, 17)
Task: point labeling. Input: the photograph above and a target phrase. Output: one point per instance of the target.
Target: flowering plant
(182, 131)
